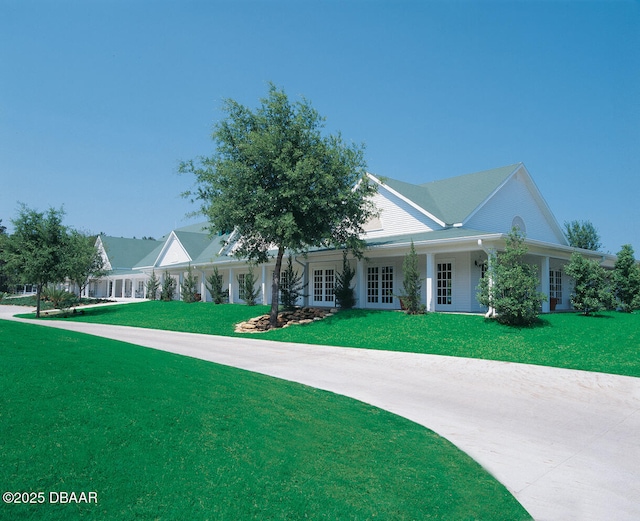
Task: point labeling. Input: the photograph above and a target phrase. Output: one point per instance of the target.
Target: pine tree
(249, 287)
(214, 285)
(291, 286)
(168, 287)
(153, 284)
(412, 283)
(189, 287)
(345, 297)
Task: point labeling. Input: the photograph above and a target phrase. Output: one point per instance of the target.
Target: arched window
(518, 222)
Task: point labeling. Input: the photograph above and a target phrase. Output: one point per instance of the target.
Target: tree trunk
(275, 289)
(38, 295)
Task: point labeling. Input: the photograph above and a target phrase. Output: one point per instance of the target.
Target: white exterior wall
(398, 217)
(514, 199)
(174, 253)
(331, 264)
(462, 294)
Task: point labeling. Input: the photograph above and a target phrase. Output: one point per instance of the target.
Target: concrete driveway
(565, 443)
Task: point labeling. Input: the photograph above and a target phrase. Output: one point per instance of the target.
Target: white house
(454, 223)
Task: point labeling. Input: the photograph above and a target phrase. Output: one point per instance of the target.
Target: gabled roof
(453, 200)
(124, 254)
(195, 241)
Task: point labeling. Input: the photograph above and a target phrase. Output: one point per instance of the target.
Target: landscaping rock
(285, 319)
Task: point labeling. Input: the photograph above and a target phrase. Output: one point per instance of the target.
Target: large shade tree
(38, 248)
(280, 184)
(85, 263)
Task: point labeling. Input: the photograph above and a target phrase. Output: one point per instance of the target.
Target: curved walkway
(565, 443)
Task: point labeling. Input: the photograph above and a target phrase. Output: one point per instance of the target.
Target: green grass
(608, 342)
(160, 436)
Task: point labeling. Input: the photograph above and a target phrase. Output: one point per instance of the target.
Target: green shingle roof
(124, 254)
(453, 200)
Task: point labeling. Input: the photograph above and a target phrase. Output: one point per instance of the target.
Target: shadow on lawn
(539, 323)
(348, 314)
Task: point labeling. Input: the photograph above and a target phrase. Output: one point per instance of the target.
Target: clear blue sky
(100, 100)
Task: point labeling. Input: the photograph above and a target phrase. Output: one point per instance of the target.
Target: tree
(590, 292)
(280, 184)
(412, 283)
(510, 285)
(214, 285)
(189, 287)
(291, 286)
(626, 280)
(168, 287)
(153, 284)
(248, 287)
(86, 263)
(345, 297)
(4, 276)
(582, 234)
(38, 249)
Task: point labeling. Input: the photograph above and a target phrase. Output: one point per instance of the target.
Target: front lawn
(608, 342)
(162, 436)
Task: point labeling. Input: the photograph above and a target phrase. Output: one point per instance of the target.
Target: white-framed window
(555, 285)
(324, 283)
(241, 293)
(444, 287)
(380, 284)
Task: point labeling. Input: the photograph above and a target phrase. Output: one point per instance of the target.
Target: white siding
(174, 253)
(514, 200)
(461, 283)
(397, 217)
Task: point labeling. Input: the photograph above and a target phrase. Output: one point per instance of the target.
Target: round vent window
(518, 223)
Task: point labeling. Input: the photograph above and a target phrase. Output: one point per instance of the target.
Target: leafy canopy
(43, 251)
(626, 279)
(582, 234)
(510, 285)
(277, 182)
(591, 290)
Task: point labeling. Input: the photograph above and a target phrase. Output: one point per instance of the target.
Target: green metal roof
(124, 254)
(453, 200)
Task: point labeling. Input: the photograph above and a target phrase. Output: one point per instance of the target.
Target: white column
(430, 301)
(263, 284)
(231, 282)
(544, 280)
(362, 284)
(203, 287)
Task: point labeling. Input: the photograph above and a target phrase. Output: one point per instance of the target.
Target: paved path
(565, 443)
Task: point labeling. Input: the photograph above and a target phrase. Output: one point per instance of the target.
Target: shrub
(214, 285)
(59, 298)
(291, 286)
(591, 291)
(345, 296)
(626, 280)
(168, 287)
(411, 284)
(153, 284)
(189, 287)
(510, 286)
(249, 291)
